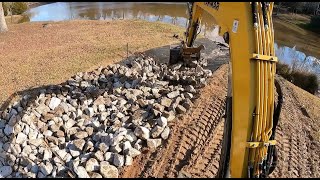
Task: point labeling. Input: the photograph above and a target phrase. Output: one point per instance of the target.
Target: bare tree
(3, 24)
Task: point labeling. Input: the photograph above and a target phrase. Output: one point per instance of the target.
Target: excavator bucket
(182, 53)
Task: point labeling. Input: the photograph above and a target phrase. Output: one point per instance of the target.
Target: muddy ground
(194, 146)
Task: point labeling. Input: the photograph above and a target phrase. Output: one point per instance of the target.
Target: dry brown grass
(32, 56)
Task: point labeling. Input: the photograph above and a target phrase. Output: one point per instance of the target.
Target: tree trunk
(3, 24)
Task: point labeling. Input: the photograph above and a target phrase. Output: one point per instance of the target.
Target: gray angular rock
(118, 160)
(5, 171)
(8, 130)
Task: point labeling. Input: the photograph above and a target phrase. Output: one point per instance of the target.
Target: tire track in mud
(205, 162)
(296, 149)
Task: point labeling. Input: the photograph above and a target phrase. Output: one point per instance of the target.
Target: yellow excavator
(251, 112)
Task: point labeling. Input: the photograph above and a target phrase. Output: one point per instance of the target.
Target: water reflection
(297, 59)
(174, 13)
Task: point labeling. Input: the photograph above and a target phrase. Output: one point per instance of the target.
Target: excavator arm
(251, 124)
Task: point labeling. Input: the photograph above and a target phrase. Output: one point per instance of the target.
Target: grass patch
(32, 56)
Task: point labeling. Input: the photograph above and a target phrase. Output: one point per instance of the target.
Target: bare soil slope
(194, 146)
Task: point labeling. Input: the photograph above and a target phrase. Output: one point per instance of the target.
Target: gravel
(96, 122)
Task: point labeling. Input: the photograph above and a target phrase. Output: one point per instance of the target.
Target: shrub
(304, 80)
(19, 7)
(5, 8)
(315, 21)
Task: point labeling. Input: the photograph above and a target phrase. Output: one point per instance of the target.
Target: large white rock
(54, 103)
(81, 172)
(92, 165)
(142, 132)
(162, 121)
(153, 143)
(108, 171)
(21, 138)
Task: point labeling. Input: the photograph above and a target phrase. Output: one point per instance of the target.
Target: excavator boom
(250, 123)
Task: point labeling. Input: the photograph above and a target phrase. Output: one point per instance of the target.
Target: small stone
(99, 155)
(81, 135)
(35, 142)
(142, 132)
(5, 171)
(89, 112)
(95, 175)
(153, 143)
(47, 133)
(46, 169)
(116, 148)
(108, 156)
(59, 133)
(70, 123)
(180, 109)
(156, 131)
(108, 171)
(173, 94)
(128, 161)
(8, 130)
(92, 165)
(162, 121)
(62, 153)
(169, 115)
(21, 138)
(79, 143)
(54, 103)
(47, 155)
(81, 172)
(40, 175)
(165, 133)
(118, 160)
(89, 130)
(103, 147)
(166, 102)
(133, 152)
